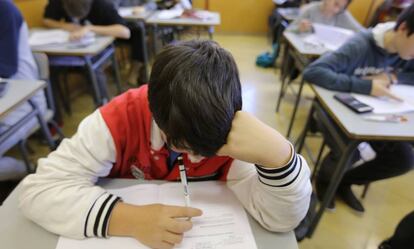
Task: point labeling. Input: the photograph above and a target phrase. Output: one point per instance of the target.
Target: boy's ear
(403, 28)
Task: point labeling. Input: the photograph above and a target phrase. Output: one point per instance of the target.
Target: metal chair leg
(364, 192)
(317, 163)
(25, 155)
(295, 108)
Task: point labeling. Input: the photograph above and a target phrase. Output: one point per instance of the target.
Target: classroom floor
(386, 202)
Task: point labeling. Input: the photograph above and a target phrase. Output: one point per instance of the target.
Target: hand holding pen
(183, 177)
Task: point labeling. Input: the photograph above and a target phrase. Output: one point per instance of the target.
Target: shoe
(321, 188)
(346, 194)
(384, 245)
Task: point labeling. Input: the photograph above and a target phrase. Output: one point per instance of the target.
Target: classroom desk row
(346, 127)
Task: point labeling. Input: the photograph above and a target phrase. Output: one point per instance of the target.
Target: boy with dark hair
(99, 16)
(368, 64)
(190, 107)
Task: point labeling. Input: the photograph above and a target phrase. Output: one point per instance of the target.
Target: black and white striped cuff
(97, 220)
(283, 176)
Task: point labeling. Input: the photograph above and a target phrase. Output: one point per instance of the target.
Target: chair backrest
(380, 13)
(42, 63)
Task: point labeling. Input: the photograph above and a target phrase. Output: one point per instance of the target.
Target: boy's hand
(79, 33)
(153, 225)
(381, 84)
(251, 140)
(305, 26)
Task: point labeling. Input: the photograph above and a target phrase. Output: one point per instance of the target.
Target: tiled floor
(387, 201)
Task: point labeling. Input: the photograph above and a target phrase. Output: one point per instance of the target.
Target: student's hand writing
(380, 88)
(381, 84)
(305, 26)
(79, 33)
(251, 140)
(153, 225)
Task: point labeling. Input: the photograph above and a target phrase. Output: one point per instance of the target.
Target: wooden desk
(14, 225)
(353, 129)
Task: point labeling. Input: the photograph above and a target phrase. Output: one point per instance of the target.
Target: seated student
(192, 106)
(368, 64)
(329, 12)
(16, 62)
(99, 16)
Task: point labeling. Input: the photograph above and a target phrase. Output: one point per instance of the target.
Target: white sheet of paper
(386, 105)
(125, 11)
(44, 37)
(327, 36)
(223, 225)
(170, 14)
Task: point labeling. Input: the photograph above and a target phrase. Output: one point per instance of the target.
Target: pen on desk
(183, 177)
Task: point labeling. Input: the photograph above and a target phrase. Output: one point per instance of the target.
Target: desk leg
(333, 185)
(99, 100)
(43, 126)
(301, 139)
(284, 75)
(145, 77)
(154, 39)
(210, 32)
(115, 68)
(295, 108)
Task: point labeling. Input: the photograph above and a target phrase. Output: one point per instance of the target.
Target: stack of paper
(223, 225)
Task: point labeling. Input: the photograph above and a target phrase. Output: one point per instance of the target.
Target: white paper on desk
(58, 36)
(170, 14)
(329, 37)
(126, 11)
(45, 37)
(386, 105)
(223, 225)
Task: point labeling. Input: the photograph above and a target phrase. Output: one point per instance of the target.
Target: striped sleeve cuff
(283, 176)
(97, 220)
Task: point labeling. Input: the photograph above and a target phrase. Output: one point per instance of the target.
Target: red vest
(129, 120)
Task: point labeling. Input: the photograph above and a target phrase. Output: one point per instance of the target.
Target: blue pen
(183, 177)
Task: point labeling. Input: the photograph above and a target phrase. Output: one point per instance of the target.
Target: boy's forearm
(50, 23)
(276, 151)
(118, 223)
(116, 30)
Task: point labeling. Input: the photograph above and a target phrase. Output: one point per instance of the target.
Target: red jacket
(129, 118)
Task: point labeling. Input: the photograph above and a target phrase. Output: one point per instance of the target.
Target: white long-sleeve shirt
(64, 185)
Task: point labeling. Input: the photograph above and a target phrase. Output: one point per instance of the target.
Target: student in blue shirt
(16, 62)
(368, 64)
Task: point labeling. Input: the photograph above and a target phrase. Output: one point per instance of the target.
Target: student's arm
(334, 70)
(115, 30)
(303, 22)
(64, 185)
(276, 192)
(53, 24)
